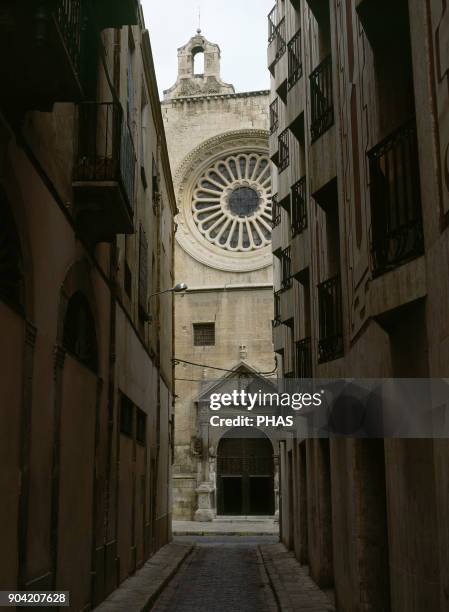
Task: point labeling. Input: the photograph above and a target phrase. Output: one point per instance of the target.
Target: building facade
(86, 240)
(218, 144)
(358, 142)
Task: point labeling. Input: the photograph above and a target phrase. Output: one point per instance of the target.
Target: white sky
(238, 26)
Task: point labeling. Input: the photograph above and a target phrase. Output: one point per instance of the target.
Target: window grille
(299, 208)
(330, 345)
(274, 116)
(204, 334)
(321, 92)
(294, 60)
(284, 150)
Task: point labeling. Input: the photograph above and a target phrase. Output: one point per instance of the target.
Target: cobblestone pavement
(223, 574)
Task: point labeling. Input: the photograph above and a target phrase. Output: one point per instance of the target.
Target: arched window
(79, 331)
(198, 61)
(11, 264)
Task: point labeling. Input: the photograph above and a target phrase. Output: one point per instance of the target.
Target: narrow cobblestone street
(222, 574)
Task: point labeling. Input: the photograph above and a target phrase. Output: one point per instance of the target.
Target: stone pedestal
(205, 510)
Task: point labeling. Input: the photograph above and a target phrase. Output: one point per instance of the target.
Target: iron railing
(272, 24)
(330, 343)
(396, 214)
(105, 147)
(281, 43)
(304, 358)
(274, 116)
(277, 308)
(284, 150)
(286, 263)
(322, 99)
(68, 18)
(276, 211)
(299, 207)
(294, 60)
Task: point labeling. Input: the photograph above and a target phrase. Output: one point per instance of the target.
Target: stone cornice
(202, 97)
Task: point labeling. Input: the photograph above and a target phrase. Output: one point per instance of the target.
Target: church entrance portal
(245, 475)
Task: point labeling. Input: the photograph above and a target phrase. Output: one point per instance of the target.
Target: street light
(179, 288)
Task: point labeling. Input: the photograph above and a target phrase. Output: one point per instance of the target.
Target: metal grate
(68, 17)
(299, 207)
(321, 92)
(272, 24)
(274, 116)
(277, 308)
(284, 150)
(330, 344)
(304, 358)
(276, 211)
(281, 44)
(286, 263)
(204, 334)
(396, 215)
(294, 60)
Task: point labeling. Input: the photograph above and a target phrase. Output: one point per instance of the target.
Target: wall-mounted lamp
(179, 288)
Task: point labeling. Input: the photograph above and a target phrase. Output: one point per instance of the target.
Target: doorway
(245, 475)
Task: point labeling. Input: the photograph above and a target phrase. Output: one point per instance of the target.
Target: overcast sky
(238, 26)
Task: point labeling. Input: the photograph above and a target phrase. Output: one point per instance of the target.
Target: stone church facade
(218, 145)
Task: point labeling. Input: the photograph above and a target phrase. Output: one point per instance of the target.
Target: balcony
(104, 172)
(330, 343)
(396, 216)
(276, 211)
(294, 60)
(42, 44)
(116, 13)
(299, 207)
(277, 308)
(272, 24)
(322, 102)
(274, 116)
(304, 358)
(281, 44)
(286, 265)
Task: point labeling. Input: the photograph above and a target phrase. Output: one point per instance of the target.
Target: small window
(204, 334)
(79, 337)
(126, 416)
(141, 427)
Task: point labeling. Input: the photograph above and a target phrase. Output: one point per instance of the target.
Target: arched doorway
(245, 474)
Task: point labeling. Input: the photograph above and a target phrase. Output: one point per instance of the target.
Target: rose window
(232, 203)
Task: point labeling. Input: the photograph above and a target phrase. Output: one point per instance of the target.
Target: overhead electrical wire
(177, 361)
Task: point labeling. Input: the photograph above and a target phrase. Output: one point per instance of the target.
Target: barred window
(141, 426)
(284, 150)
(204, 334)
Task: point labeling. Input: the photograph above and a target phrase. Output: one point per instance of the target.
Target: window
(286, 263)
(299, 209)
(154, 178)
(294, 60)
(79, 337)
(143, 274)
(141, 426)
(198, 62)
(322, 99)
(330, 345)
(11, 276)
(126, 416)
(204, 334)
(284, 150)
(127, 274)
(274, 116)
(130, 79)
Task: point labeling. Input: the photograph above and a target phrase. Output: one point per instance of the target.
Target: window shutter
(143, 272)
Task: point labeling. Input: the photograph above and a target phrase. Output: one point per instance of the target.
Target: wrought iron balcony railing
(277, 308)
(284, 150)
(321, 92)
(304, 358)
(330, 343)
(68, 18)
(294, 60)
(272, 24)
(299, 207)
(274, 116)
(286, 263)
(281, 44)
(276, 211)
(396, 214)
(105, 147)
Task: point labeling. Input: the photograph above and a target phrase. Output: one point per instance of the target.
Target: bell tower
(209, 82)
